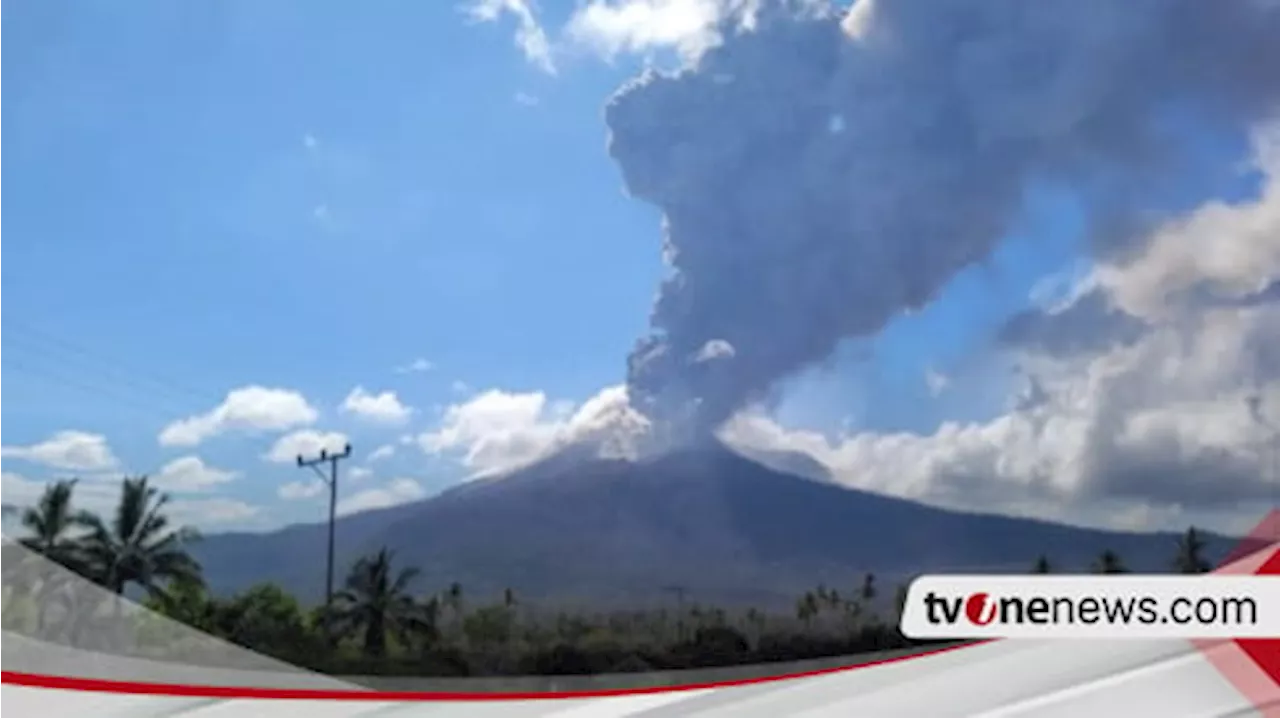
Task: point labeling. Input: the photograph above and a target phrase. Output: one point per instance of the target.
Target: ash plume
(821, 172)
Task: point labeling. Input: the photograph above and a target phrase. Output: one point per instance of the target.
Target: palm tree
(49, 523)
(1109, 562)
(1042, 565)
(1190, 558)
(139, 546)
(377, 602)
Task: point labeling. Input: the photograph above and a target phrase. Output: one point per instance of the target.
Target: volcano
(725, 527)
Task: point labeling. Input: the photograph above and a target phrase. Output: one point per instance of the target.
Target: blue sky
(212, 195)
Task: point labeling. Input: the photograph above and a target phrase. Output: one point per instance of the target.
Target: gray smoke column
(821, 172)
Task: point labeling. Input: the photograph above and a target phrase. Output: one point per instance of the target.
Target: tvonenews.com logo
(1092, 606)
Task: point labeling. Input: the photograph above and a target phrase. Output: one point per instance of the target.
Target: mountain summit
(704, 517)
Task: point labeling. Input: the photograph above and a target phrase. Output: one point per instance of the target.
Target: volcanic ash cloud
(821, 173)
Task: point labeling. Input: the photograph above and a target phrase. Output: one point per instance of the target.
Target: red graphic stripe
(99, 685)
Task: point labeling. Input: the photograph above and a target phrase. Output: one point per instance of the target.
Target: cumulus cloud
(190, 473)
(384, 408)
(386, 451)
(307, 443)
(213, 512)
(300, 490)
(642, 26)
(359, 473)
(530, 36)
(396, 491)
(22, 492)
(497, 431)
(250, 408)
(67, 450)
(102, 497)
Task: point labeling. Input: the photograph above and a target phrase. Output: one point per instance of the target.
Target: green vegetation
(378, 625)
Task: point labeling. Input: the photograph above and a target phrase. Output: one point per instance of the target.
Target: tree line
(378, 625)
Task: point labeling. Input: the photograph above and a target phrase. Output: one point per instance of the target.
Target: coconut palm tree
(376, 602)
(50, 523)
(139, 546)
(1190, 558)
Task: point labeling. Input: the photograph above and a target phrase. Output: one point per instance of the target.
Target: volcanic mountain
(609, 531)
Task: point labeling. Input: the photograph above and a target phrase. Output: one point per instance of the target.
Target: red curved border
(99, 685)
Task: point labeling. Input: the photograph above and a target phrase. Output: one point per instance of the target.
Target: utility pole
(332, 480)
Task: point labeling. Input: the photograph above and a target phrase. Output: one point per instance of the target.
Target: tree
(265, 617)
(1109, 562)
(1190, 558)
(51, 524)
(868, 591)
(138, 546)
(51, 521)
(188, 603)
(806, 608)
(376, 602)
(1042, 565)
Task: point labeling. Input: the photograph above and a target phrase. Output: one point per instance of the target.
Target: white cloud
(102, 497)
(213, 512)
(299, 490)
(530, 37)
(190, 473)
(1225, 252)
(250, 408)
(642, 26)
(383, 408)
(496, 431)
(67, 450)
(396, 491)
(460, 387)
(386, 451)
(417, 366)
(22, 492)
(524, 98)
(306, 443)
(359, 473)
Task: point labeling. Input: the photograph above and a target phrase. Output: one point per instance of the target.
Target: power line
(332, 480)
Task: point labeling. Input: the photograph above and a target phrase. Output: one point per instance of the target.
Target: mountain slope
(725, 527)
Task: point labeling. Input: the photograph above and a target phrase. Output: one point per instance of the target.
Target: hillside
(610, 531)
